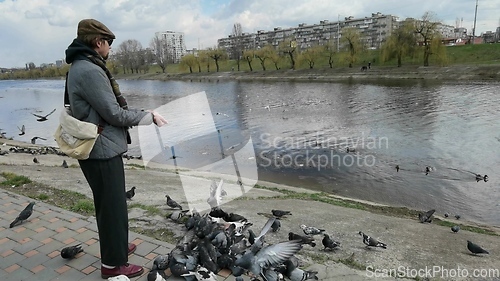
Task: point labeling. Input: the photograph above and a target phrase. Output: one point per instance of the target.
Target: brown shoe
(129, 270)
(131, 248)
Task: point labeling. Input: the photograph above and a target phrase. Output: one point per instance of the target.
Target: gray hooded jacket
(91, 97)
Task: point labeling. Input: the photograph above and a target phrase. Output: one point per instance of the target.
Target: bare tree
(248, 55)
(237, 47)
(289, 47)
(160, 52)
(217, 55)
(130, 54)
(352, 40)
(263, 54)
(330, 49)
(426, 28)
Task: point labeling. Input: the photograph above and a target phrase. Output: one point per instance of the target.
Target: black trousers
(107, 181)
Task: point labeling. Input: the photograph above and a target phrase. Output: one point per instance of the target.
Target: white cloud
(40, 30)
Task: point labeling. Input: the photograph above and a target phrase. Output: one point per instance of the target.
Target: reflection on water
(301, 132)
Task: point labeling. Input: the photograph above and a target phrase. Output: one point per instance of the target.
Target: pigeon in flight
(42, 118)
(328, 243)
(271, 256)
(71, 251)
(172, 204)
(311, 230)
(475, 249)
(455, 228)
(22, 129)
(130, 193)
(281, 213)
(33, 139)
(426, 217)
(24, 215)
(215, 198)
(372, 242)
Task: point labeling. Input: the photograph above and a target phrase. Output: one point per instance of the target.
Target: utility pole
(338, 33)
(474, 28)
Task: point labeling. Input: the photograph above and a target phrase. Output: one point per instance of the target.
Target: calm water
(301, 132)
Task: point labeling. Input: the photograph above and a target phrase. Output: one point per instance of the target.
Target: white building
(174, 44)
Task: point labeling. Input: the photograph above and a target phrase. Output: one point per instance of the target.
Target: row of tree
(410, 39)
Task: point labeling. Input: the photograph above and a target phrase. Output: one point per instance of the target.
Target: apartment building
(374, 31)
(173, 43)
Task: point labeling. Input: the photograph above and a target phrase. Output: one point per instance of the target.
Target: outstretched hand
(158, 119)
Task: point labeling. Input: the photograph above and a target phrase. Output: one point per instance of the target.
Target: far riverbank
(455, 72)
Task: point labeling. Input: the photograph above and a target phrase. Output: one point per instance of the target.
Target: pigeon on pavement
(71, 251)
(64, 164)
(156, 275)
(372, 242)
(172, 204)
(275, 227)
(475, 249)
(455, 228)
(24, 215)
(130, 193)
(296, 274)
(311, 230)
(281, 213)
(328, 243)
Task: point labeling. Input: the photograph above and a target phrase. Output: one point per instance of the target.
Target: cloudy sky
(40, 30)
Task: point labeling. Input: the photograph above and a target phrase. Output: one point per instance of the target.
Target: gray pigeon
(303, 239)
(156, 275)
(372, 242)
(64, 164)
(130, 193)
(24, 215)
(455, 228)
(280, 213)
(475, 249)
(311, 230)
(296, 274)
(71, 251)
(257, 262)
(172, 204)
(426, 217)
(328, 243)
(276, 225)
(161, 262)
(178, 214)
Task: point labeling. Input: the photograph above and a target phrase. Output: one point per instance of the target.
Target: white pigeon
(311, 230)
(119, 278)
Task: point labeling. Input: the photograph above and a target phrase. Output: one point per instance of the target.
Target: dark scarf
(116, 89)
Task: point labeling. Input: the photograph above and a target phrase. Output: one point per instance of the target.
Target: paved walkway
(31, 250)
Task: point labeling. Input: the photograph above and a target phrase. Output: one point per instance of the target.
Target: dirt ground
(415, 250)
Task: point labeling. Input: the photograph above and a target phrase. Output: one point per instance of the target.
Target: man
(94, 96)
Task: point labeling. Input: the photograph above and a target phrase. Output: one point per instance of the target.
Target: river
(301, 132)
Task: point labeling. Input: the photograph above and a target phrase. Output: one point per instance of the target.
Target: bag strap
(101, 124)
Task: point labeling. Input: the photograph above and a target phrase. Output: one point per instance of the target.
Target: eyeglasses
(110, 41)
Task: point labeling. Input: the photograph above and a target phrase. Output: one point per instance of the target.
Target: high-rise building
(173, 43)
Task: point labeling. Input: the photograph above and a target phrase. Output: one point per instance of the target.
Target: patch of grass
(137, 166)
(152, 210)
(352, 263)
(42, 197)
(161, 234)
(465, 227)
(83, 206)
(14, 180)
